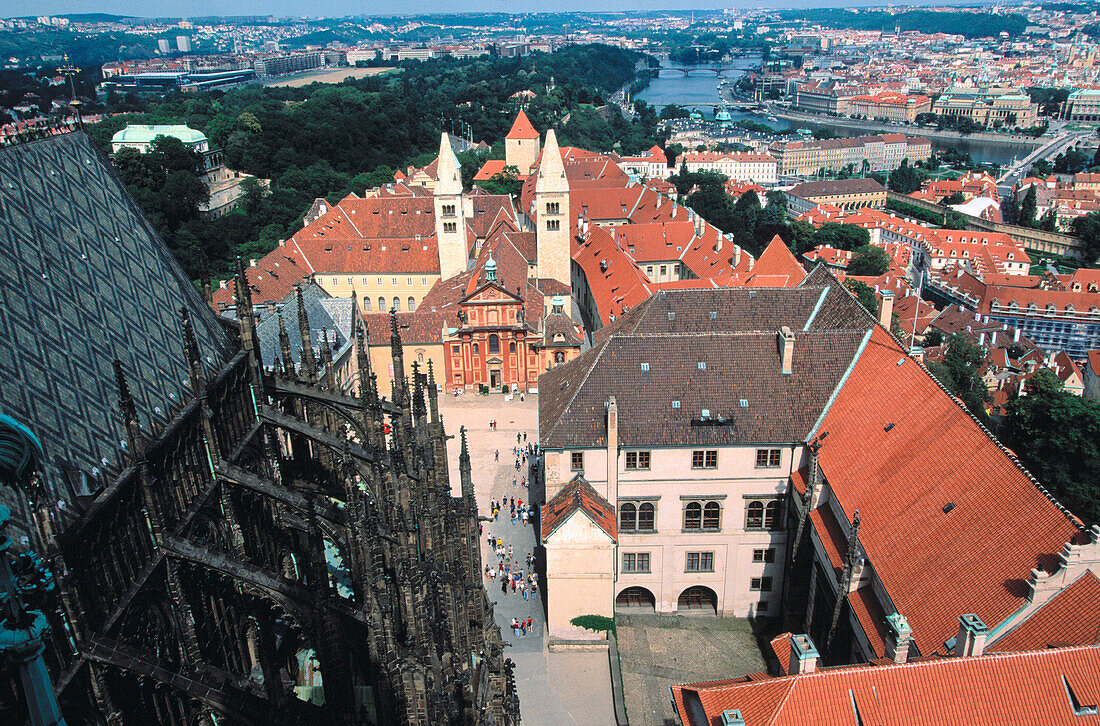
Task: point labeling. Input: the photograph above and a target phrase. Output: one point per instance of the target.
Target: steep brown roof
(839, 186)
(735, 377)
(578, 495)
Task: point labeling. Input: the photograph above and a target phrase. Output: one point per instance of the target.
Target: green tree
(841, 236)
(1025, 217)
(905, 179)
(1057, 436)
(953, 198)
(1087, 229)
(959, 373)
(863, 293)
(954, 220)
(869, 261)
(505, 181)
(933, 338)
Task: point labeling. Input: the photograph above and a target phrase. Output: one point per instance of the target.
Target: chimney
(1016, 336)
(252, 262)
(993, 339)
(886, 309)
(898, 636)
(803, 655)
(981, 340)
(786, 348)
(972, 636)
(732, 717)
(612, 450)
(917, 352)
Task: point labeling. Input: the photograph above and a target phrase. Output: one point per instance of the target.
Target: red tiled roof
(522, 128)
(872, 618)
(778, 264)
(899, 450)
(578, 495)
(1072, 617)
(990, 690)
(781, 647)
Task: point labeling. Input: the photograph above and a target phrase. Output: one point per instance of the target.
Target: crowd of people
(516, 571)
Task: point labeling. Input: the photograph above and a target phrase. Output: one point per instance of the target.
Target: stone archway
(636, 600)
(697, 600)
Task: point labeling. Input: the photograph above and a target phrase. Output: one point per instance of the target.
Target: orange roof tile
(522, 128)
(778, 265)
(921, 446)
(577, 495)
(988, 690)
(1072, 617)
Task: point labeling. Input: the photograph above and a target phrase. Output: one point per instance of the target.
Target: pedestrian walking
(525, 436)
(504, 586)
(496, 456)
(523, 627)
(517, 437)
(515, 626)
(523, 590)
(530, 620)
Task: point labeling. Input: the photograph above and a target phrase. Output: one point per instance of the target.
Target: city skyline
(343, 8)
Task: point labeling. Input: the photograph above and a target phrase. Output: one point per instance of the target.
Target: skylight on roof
(676, 404)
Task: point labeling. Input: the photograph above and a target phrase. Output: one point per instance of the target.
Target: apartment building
(738, 167)
(872, 153)
(897, 107)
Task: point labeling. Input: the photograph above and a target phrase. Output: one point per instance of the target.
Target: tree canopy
(869, 261)
(1057, 436)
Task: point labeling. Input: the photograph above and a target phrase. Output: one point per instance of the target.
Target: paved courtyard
(555, 689)
(657, 651)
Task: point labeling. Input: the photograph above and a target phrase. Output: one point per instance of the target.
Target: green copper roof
(143, 134)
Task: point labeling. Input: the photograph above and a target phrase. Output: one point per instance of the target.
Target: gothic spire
(191, 350)
(399, 387)
(464, 469)
(244, 309)
(135, 440)
(284, 348)
(308, 362)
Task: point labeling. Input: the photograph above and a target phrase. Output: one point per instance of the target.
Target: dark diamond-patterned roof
(85, 278)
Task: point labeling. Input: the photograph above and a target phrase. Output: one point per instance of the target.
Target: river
(700, 90)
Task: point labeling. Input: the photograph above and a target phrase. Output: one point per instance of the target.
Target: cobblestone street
(555, 689)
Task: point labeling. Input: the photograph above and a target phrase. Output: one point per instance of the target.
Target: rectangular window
(764, 555)
(635, 562)
(761, 584)
(553, 225)
(637, 460)
(704, 459)
(456, 350)
(576, 461)
(767, 458)
(762, 606)
(699, 562)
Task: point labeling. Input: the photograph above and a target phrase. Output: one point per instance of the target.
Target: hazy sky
(330, 8)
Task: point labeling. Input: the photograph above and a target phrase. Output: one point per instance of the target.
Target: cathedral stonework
(274, 552)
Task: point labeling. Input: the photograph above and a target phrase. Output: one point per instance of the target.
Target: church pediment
(494, 361)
